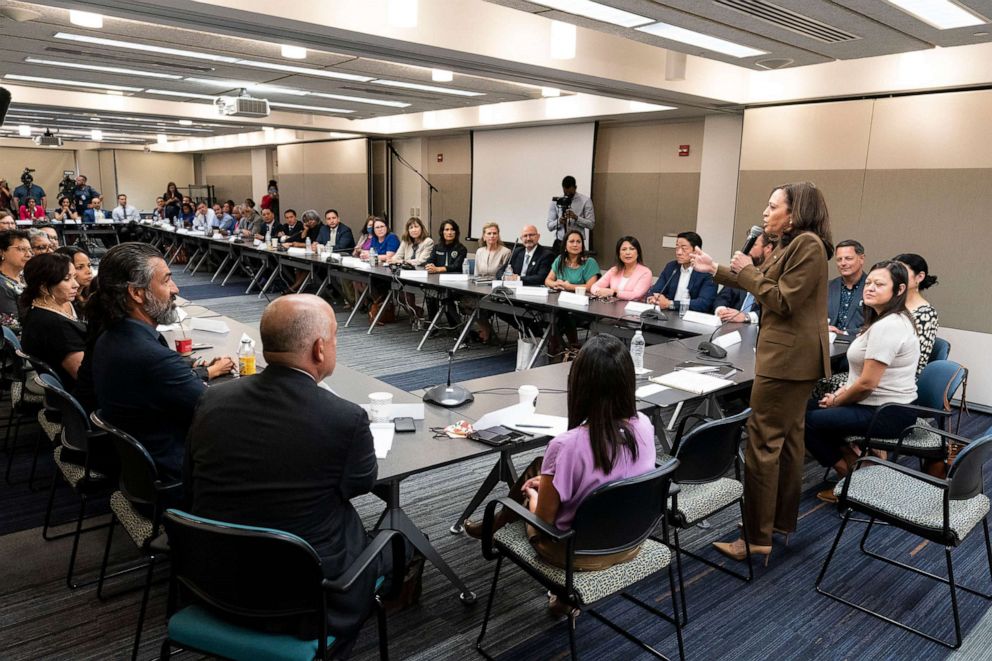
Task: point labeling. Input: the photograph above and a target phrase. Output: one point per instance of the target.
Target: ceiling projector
(242, 106)
(48, 139)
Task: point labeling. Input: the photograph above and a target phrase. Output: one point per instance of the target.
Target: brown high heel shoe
(737, 550)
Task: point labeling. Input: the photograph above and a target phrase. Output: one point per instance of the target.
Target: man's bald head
(300, 331)
(529, 236)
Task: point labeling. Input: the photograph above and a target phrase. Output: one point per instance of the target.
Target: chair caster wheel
(468, 598)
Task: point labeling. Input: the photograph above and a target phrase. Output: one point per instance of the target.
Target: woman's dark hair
(125, 264)
(273, 184)
(71, 251)
(809, 213)
(64, 199)
(7, 238)
(601, 394)
(897, 304)
(46, 270)
(563, 255)
(171, 186)
(637, 246)
(458, 232)
(917, 264)
(187, 205)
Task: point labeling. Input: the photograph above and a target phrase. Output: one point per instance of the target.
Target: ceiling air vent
(789, 20)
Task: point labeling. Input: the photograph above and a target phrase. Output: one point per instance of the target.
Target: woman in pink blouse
(629, 279)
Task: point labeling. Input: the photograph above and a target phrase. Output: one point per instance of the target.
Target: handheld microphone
(752, 237)
(448, 395)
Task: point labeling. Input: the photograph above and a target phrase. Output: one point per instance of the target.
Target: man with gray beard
(141, 384)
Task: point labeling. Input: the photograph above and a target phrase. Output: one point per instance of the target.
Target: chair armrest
(365, 559)
(923, 477)
(525, 514)
(937, 431)
(936, 413)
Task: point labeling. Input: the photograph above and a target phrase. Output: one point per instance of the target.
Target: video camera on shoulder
(26, 177)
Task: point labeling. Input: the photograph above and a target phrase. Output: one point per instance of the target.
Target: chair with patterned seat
(48, 415)
(234, 576)
(138, 506)
(706, 455)
(937, 386)
(942, 511)
(615, 517)
(24, 404)
(77, 461)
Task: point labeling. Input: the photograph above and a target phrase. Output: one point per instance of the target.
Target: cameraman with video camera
(29, 189)
(83, 194)
(570, 211)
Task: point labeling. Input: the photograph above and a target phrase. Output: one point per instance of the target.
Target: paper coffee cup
(380, 404)
(528, 395)
(184, 346)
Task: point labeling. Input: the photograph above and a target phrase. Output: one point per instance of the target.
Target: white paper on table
(407, 274)
(382, 437)
(351, 261)
(694, 382)
(519, 416)
(702, 318)
(181, 316)
(232, 238)
(454, 277)
(257, 242)
(533, 292)
(833, 336)
(507, 283)
(637, 308)
(210, 325)
(570, 298)
(415, 410)
(728, 340)
(297, 252)
(648, 390)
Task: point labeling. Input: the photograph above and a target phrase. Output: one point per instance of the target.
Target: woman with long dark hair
(84, 275)
(448, 256)
(793, 351)
(572, 268)
(883, 361)
(925, 315)
(629, 279)
(51, 330)
(607, 440)
(173, 200)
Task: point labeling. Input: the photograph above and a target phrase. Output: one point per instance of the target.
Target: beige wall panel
(227, 163)
(451, 201)
(820, 136)
(340, 156)
(841, 188)
(231, 187)
(647, 205)
(292, 192)
(647, 147)
(942, 215)
(290, 161)
(348, 193)
(144, 176)
(48, 163)
(108, 176)
(88, 163)
(409, 190)
(932, 131)
(457, 151)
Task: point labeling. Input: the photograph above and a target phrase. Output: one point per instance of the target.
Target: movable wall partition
(319, 175)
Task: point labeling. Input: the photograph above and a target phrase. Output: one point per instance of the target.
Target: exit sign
(683, 150)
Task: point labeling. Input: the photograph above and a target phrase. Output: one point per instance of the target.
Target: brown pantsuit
(793, 351)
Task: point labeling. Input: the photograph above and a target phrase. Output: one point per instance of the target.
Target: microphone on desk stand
(709, 348)
(655, 313)
(502, 289)
(449, 395)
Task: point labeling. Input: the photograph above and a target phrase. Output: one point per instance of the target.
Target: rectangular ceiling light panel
(708, 42)
(597, 12)
(941, 14)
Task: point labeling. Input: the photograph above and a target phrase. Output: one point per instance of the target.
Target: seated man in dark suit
(738, 305)
(678, 280)
(334, 234)
(269, 226)
(291, 230)
(95, 211)
(529, 262)
(246, 464)
(845, 314)
(141, 384)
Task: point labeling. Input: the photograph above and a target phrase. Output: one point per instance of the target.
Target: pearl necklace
(70, 317)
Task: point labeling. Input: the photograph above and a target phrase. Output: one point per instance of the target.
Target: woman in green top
(571, 269)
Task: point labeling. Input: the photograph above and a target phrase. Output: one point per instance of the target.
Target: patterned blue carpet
(461, 370)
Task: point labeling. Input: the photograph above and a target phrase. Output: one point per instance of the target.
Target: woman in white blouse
(415, 244)
(489, 259)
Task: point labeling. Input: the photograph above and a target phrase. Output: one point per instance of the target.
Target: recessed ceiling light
(95, 67)
(185, 122)
(358, 99)
(641, 106)
(96, 135)
(268, 129)
(190, 95)
(941, 14)
(239, 84)
(597, 12)
(24, 131)
(683, 36)
(305, 71)
(294, 52)
(426, 88)
(115, 93)
(297, 106)
(562, 41)
(162, 139)
(95, 119)
(85, 19)
(550, 91)
(402, 13)
(71, 83)
(442, 75)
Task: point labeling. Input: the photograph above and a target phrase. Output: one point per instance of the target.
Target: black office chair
(941, 511)
(706, 454)
(77, 440)
(253, 574)
(138, 506)
(616, 517)
(24, 404)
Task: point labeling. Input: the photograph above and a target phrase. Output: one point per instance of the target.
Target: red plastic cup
(184, 345)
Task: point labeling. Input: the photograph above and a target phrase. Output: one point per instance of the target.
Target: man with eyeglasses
(678, 281)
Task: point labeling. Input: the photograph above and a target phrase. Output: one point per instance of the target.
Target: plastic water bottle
(268, 236)
(508, 273)
(683, 305)
(637, 351)
(308, 245)
(246, 359)
(373, 257)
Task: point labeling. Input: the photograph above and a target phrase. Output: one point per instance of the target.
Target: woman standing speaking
(793, 352)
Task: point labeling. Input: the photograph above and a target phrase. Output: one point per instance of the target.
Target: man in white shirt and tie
(205, 217)
(124, 212)
(739, 305)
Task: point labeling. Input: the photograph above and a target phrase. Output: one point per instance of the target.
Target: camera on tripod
(26, 177)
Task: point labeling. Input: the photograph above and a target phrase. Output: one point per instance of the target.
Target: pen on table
(535, 426)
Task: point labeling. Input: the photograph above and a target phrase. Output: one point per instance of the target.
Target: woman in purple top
(607, 440)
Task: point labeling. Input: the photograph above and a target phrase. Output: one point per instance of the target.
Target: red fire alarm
(440, 158)
(683, 150)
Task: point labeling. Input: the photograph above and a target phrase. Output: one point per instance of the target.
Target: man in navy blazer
(845, 313)
(333, 228)
(678, 278)
(530, 262)
(733, 304)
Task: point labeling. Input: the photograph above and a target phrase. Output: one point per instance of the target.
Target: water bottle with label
(268, 237)
(309, 244)
(637, 344)
(246, 358)
(683, 305)
(373, 257)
